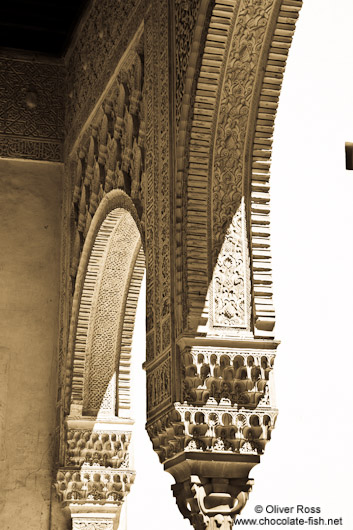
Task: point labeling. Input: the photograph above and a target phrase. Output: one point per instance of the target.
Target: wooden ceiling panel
(44, 26)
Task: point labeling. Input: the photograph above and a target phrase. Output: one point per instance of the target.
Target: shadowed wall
(30, 205)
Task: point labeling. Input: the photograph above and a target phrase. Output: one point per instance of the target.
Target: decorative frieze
(80, 523)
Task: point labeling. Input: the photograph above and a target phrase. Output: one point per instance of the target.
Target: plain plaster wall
(30, 232)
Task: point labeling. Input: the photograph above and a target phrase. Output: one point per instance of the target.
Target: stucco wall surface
(30, 206)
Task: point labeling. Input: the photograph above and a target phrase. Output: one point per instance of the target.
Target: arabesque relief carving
(106, 32)
(32, 106)
(185, 20)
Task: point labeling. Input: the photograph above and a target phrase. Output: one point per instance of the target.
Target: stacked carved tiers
(212, 429)
(227, 404)
(238, 378)
(108, 449)
(93, 483)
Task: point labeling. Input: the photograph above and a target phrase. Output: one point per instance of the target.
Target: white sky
(309, 459)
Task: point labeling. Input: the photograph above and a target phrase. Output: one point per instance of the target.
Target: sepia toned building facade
(146, 146)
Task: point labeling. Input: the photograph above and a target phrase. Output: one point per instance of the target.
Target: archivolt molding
(196, 27)
(117, 201)
(103, 304)
(196, 273)
(257, 163)
(109, 156)
(230, 138)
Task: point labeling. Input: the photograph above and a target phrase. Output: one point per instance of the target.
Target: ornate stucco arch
(98, 465)
(184, 130)
(222, 407)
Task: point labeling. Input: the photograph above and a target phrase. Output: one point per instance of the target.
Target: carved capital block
(204, 497)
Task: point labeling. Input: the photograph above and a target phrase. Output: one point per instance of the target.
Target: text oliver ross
(299, 508)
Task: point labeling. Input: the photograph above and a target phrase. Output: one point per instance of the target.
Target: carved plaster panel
(101, 363)
(32, 109)
(185, 19)
(159, 384)
(230, 289)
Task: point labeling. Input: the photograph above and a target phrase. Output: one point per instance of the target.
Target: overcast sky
(309, 459)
